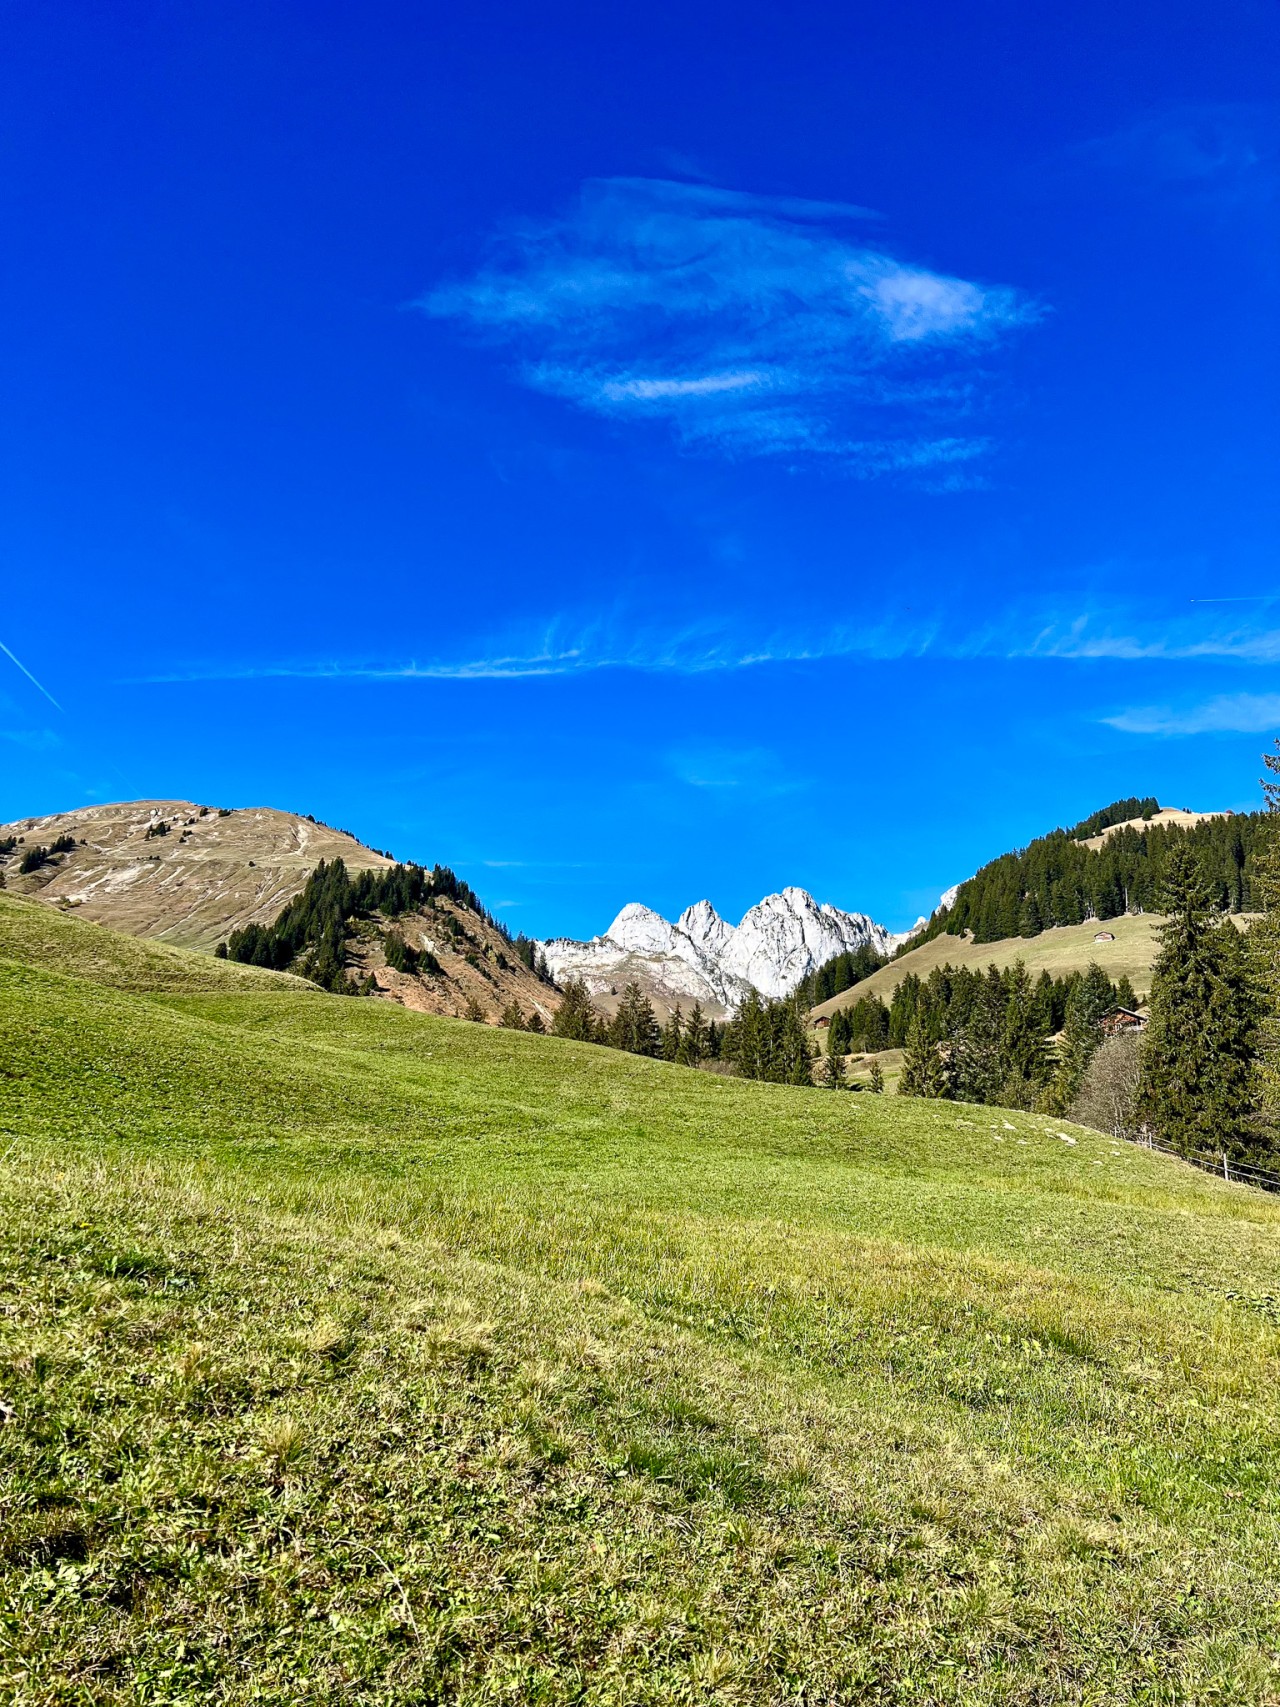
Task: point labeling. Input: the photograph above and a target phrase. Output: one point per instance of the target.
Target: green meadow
(351, 1355)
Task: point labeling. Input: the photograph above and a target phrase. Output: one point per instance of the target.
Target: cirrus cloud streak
(750, 326)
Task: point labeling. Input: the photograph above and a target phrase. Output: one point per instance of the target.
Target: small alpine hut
(1123, 1020)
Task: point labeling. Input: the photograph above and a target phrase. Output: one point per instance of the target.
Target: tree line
(313, 927)
(1119, 812)
(1057, 880)
(840, 973)
(947, 999)
(1205, 1076)
(984, 1037)
(687, 1039)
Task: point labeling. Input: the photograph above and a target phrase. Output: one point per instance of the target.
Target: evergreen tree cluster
(685, 1039)
(1057, 880)
(771, 1040)
(1119, 812)
(984, 1036)
(1199, 1085)
(513, 1019)
(39, 855)
(947, 997)
(840, 973)
(530, 954)
(314, 924)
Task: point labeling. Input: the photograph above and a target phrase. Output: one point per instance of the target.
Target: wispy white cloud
(1177, 639)
(1202, 149)
(751, 325)
(579, 645)
(35, 740)
(1226, 714)
(566, 647)
(755, 772)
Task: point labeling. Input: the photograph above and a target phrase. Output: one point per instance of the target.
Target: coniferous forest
(1057, 880)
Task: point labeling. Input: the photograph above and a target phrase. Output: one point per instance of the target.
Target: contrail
(27, 673)
(1241, 599)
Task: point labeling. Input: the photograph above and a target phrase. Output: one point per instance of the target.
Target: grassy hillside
(59, 942)
(348, 1354)
(1068, 948)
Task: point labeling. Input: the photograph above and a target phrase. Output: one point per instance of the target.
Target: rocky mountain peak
(702, 957)
(704, 927)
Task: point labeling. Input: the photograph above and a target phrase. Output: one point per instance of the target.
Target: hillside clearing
(352, 1354)
(207, 874)
(1065, 948)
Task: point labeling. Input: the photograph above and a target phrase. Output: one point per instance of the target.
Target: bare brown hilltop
(191, 875)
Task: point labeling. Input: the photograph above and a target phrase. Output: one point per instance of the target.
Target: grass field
(351, 1355)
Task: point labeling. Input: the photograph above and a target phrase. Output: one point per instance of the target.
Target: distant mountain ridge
(702, 957)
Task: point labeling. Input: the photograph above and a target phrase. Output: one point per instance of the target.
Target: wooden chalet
(1122, 1020)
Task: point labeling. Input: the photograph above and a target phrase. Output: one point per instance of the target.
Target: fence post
(1225, 1174)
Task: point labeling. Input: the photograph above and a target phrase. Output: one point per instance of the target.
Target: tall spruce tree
(1091, 998)
(1197, 1090)
(693, 1045)
(795, 1045)
(576, 1016)
(635, 1026)
(1026, 1060)
(673, 1035)
(977, 1066)
(923, 1073)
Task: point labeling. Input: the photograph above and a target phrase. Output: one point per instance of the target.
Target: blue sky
(642, 454)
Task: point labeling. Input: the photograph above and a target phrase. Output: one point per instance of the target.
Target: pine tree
(1126, 995)
(796, 1048)
(694, 1043)
(876, 1081)
(537, 1023)
(977, 1065)
(635, 1027)
(923, 1074)
(839, 1034)
(512, 1016)
(742, 1042)
(832, 1074)
(1092, 997)
(576, 1016)
(474, 1012)
(400, 957)
(1197, 1085)
(1025, 1060)
(673, 1035)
